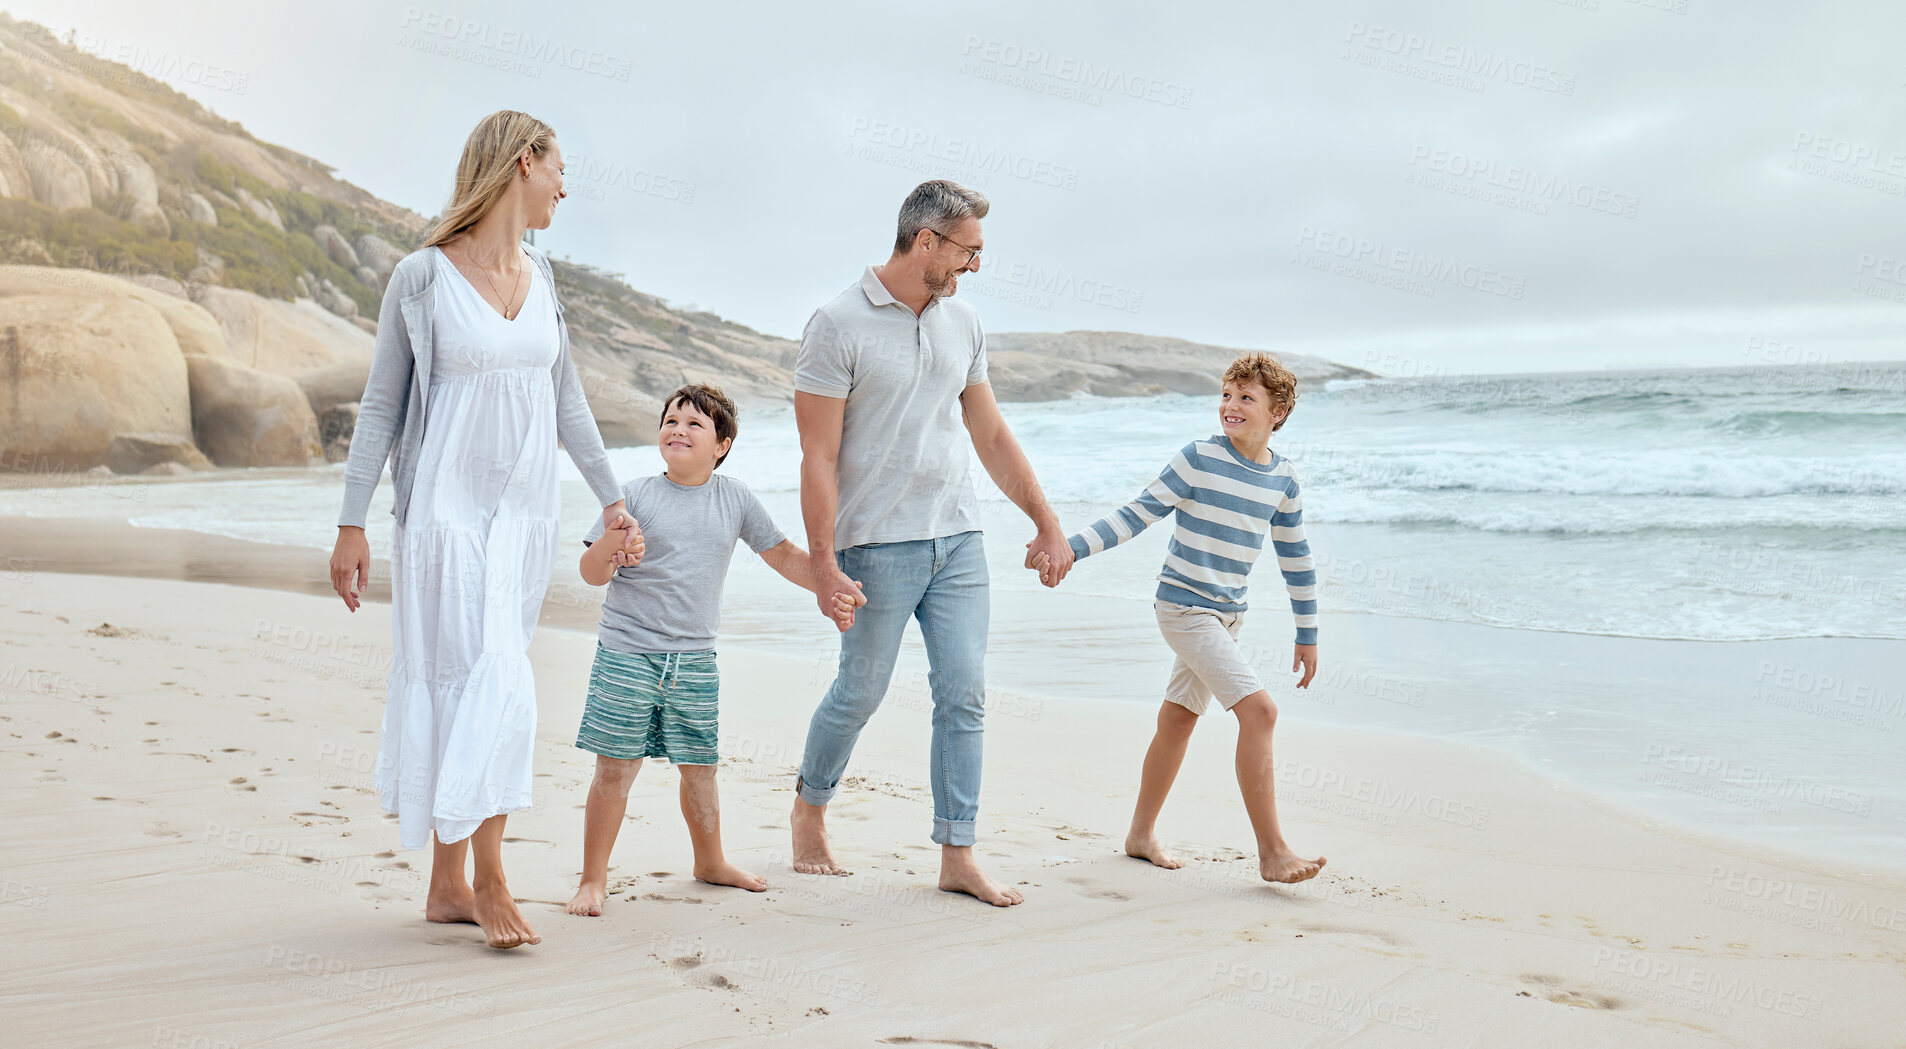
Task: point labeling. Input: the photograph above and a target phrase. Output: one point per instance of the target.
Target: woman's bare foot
(1147, 848)
(959, 872)
(503, 925)
(1283, 865)
(811, 854)
(725, 873)
(588, 899)
(456, 906)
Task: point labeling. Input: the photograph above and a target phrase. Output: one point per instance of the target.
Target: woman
(471, 338)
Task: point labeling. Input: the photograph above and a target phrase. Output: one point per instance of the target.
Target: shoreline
(227, 768)
(574, 608)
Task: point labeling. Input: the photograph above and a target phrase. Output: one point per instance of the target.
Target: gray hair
(936, 205)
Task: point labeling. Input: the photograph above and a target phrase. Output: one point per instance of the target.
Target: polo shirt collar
(877, 292)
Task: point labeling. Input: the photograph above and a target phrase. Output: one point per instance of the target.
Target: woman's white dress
(470, 565)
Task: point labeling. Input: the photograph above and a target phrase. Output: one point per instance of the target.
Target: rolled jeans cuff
(814, 795)
(958, 833)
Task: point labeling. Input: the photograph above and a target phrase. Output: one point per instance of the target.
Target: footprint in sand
(1552, 988)
(907, 1039)
(659, 898)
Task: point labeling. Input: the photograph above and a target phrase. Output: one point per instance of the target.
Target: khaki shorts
(1209, 663)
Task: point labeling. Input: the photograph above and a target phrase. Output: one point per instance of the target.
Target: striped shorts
(651, 705)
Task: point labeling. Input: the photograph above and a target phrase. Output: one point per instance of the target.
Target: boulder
(194, 330)
(366, 323)
(58, 182)
(325, 388)
(200, 210)
(625, 415)
(335, 246)
(333, 299)
(14, 180)
(263, 209)
(367, 277)
(131, 453)
(284, 338)
(80, 370)
(380, 255)
(335, 426)
(134, 181)
(245, 417)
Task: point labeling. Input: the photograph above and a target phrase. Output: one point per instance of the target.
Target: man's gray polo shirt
(904, 451)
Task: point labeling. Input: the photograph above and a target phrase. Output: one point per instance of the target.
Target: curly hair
(1267, 371)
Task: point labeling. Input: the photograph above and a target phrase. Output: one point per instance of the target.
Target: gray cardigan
(399, 388)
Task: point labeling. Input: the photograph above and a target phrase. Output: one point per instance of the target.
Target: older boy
(652, 691)
(1228, 491)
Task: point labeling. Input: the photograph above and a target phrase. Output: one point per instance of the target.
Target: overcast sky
(1499, 185)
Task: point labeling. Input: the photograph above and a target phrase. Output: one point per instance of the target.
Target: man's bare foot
(588, 899)
(811, 854)
(1147, 848)
(725, 873)
(456, 906)
(503, 925)
(959, 872)
(1283, 865)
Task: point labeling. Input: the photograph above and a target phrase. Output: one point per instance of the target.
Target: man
(886, 373)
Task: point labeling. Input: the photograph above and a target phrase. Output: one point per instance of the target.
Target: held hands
(1050, 555)
(625, 536)
(844, 605)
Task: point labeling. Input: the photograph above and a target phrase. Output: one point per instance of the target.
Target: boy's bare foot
(1147, 848)
(503, 925)
(959, 872)
(1283, 865)
(725, 873)
(456, 906)
(588, 899)
(811, 854)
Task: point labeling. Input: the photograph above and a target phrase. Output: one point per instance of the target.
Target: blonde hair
(488, 167)
(1267, 371)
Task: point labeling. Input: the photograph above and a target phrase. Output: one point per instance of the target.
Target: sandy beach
(196, 858)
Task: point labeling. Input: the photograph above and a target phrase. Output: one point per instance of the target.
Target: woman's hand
(351, 558)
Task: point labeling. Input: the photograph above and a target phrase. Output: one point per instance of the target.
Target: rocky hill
(176, 294)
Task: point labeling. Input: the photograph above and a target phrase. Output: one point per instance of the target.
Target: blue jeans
(943, 583)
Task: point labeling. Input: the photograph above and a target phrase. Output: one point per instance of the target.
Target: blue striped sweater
(1225, 504)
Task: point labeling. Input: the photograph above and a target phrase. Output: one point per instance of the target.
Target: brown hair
(487, 168)
(1267, 371)
(708, 399)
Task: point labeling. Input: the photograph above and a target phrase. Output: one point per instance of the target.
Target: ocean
(1683, 591)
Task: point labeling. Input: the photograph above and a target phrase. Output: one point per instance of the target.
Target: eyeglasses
(971, 253)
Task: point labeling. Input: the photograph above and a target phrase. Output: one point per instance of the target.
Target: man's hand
(1050, 555)
(1306, 657)
(626, 537)
(832, 590)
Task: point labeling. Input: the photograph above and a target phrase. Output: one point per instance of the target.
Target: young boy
(652, 691)
(1228, 492)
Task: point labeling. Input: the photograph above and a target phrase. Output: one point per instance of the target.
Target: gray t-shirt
(904, 451)
(671, 602)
